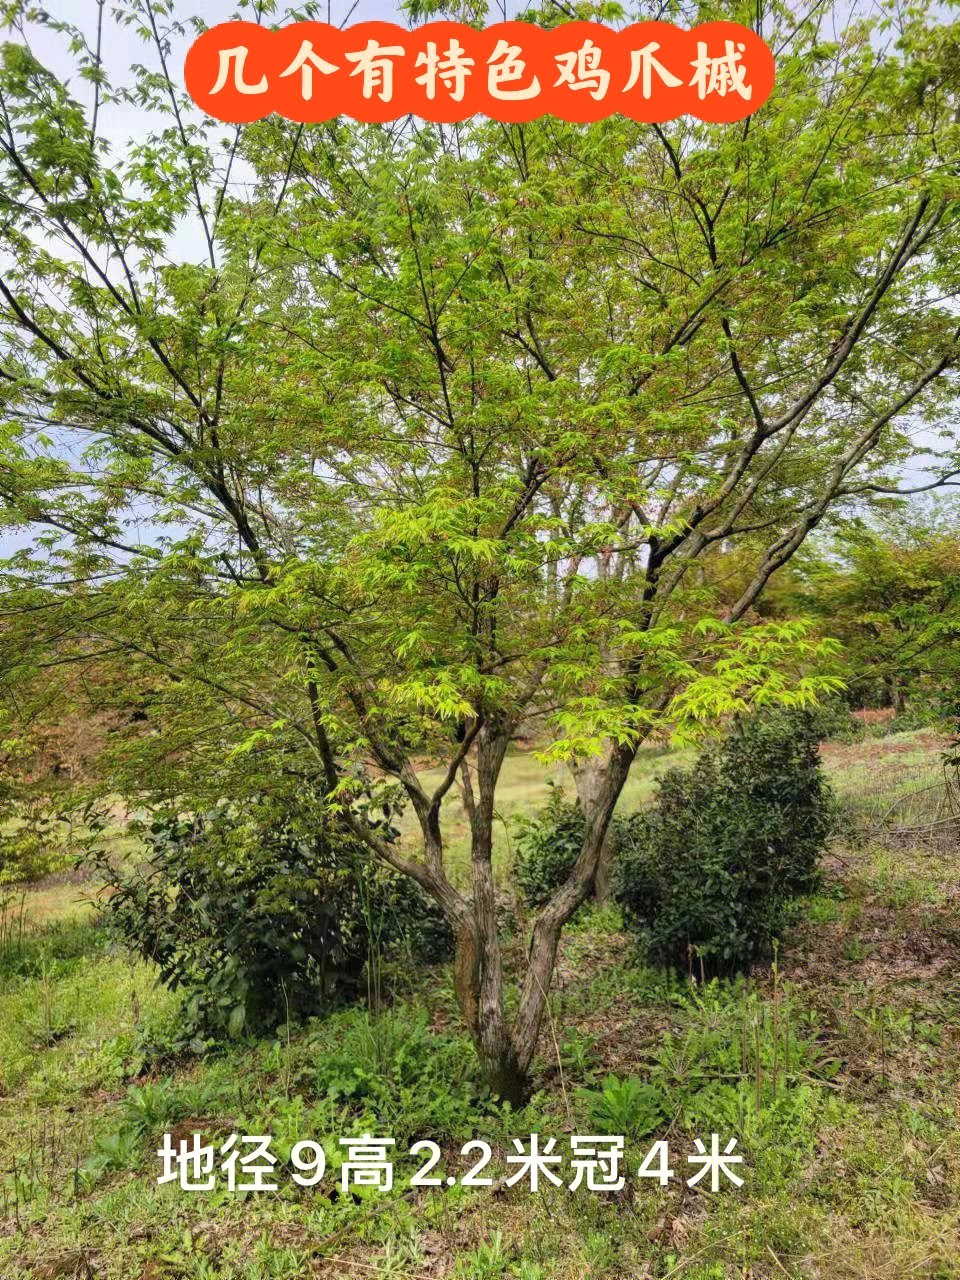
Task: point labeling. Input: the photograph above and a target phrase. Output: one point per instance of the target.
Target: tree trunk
(504, 1078)
(506, 1050)
(554, 915)
(491, 1032)
(889, 690)
(588, 775)
(466, 981)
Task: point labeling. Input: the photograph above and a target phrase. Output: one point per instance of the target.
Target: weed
(487, 1262)
(630, 1107)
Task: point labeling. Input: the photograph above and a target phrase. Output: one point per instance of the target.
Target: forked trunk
(506, 1050)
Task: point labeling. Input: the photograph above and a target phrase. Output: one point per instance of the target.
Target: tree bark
(554, 915)
(588, 776)
(506, 1050)
(491, 1032)
(466, 981)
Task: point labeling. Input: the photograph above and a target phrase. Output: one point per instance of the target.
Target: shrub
(832, 719)
(916, 715)
(547, 846)
(711, 868)
(400, 916)
(260, 917)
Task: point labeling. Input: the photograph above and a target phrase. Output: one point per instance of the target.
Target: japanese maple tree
(441, 432)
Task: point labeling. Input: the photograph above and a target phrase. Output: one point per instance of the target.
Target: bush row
(261, 915)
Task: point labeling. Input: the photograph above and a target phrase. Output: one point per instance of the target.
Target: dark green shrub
(710, 869)
(832, 720)
(547, 846)
(259, 917)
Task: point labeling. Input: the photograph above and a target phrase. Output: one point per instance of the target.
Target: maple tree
(439, 432)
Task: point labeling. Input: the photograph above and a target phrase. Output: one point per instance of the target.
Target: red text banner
(511, 71)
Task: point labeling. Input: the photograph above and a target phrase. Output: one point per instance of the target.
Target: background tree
(891, 595)
(445, 431)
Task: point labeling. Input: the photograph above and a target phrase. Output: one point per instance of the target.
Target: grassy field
(837, 1070)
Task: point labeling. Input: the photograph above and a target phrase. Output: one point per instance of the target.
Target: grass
(837, 1070)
